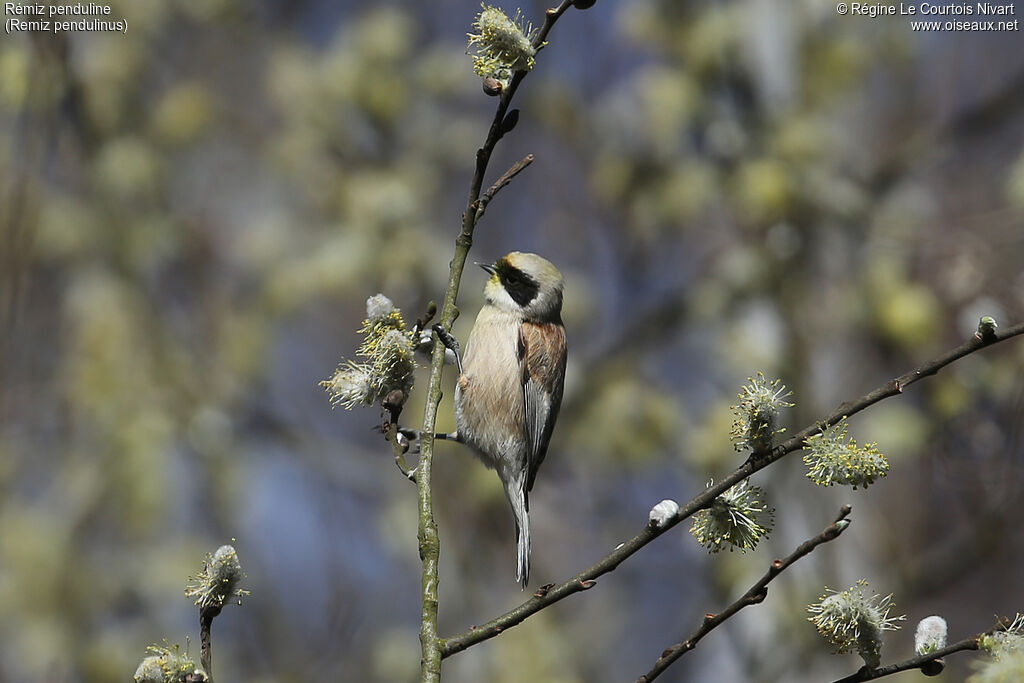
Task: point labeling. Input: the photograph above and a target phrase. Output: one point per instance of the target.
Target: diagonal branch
(923, 661)
(757, 593)
(586, 579)
(891, 388)
(505, 179)
(429, 544)
(866, 674)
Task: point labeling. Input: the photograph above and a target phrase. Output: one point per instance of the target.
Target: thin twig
(206, 616)
(505, 179)
(587, 578)
(866, 674)
(891, 388)
(392, 405)
(429, 545)
(757, 593)
(972, 643)
(398, 449)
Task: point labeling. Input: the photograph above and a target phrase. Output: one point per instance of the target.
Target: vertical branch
(213, 587)
(206, 615)
(429, 543)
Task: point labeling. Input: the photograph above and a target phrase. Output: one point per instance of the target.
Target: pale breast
(489, 394)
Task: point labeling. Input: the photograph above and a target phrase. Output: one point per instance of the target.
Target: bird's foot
(450, 343)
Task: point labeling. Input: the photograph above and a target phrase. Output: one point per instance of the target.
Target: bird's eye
(520, 286)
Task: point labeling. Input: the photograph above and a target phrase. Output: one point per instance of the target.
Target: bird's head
(525, 283)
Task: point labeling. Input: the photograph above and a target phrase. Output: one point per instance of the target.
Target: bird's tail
(520, 502)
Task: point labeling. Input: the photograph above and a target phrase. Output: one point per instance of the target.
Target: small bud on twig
(987, 328)
(930, 635)
(394, 401)
(662, 513)
(492, 86)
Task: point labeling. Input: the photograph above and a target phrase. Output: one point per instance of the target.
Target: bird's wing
(542, 359)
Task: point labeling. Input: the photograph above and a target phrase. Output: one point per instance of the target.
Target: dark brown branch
(972, 643)
(494, 134)
(866, 674)
(550, 17)
(757, 593)
(550, 595)
(206, 616)
(891, 388)
(505, 179)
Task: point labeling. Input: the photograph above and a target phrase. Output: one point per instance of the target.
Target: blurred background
(193, 214)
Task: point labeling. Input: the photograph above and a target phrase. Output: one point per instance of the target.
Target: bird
(511, 380)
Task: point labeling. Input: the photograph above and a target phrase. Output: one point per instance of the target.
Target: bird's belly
(489, 398)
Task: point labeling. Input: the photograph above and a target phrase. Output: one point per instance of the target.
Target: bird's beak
(486, 266)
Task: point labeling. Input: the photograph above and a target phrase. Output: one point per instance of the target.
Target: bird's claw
(450, 343)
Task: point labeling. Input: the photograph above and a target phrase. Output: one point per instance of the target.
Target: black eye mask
(521, 287)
